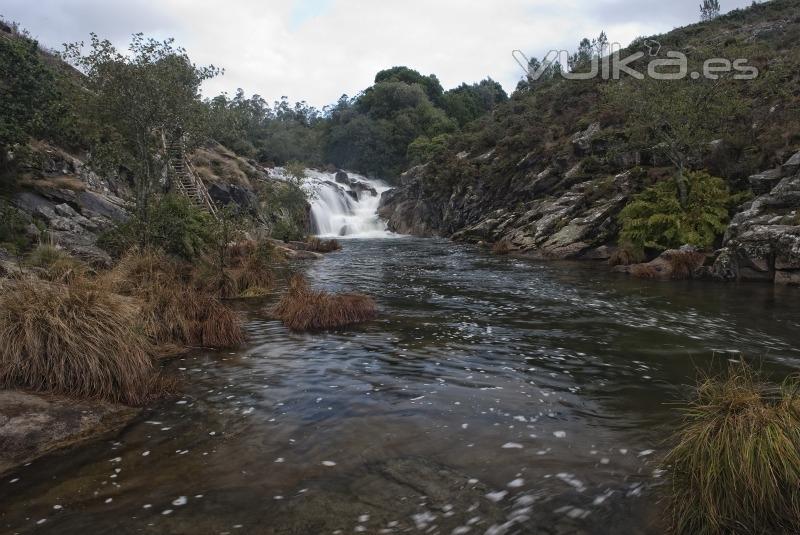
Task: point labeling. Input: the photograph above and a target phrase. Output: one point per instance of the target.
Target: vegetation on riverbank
(736, 465)
(74, 339)
(301, 308)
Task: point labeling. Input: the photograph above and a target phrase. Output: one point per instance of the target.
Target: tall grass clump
(302, 309)
(319, 245)
(177, 314)
(74, 340)
(55, 265)
(736, 465)
(684, 264)
(172, 311)
(501, 248)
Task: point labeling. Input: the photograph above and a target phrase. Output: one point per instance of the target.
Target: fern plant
(655, 218)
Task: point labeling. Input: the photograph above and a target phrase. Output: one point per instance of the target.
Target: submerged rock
(33, 425)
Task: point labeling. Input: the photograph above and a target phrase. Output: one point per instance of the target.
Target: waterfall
(343, 204)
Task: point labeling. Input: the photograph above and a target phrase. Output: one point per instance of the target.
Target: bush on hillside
(656, 219)
(13, 225)
(172, 223)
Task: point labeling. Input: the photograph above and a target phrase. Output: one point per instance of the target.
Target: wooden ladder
(184, 177)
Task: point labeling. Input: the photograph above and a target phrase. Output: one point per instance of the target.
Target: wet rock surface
(33, 425)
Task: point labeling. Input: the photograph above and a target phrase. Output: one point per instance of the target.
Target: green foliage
(466, 103)
(276, 134)
(132, 99)
(27, 88)
(372, 133)
(13, 224)
(656, 219)
(172, 224)
(736, 465)
(283, 209)
(296, 170)
(424, 148)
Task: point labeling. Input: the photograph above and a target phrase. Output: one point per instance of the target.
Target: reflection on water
(494, 395)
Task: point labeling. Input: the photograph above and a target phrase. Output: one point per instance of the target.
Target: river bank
(553, 385)
(569, 220)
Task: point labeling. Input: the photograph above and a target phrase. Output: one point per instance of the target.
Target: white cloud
(318, 49)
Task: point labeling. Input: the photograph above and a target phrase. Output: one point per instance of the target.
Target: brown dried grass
(501, 247)
(302, 309)
(319, 245)
(683, 264)
(644, 271)
(172, 311)
(74, 340)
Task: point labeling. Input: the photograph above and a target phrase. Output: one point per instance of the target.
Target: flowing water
(493, 395)
(345, 207)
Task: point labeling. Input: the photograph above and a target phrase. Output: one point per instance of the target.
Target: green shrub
(656, 219)
(736, 466)
(173, 224)
(13, 235)
(296, 170)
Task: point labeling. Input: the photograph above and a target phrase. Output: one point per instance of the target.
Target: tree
(676, 118)
(709, 10)
(27, 87)
(133, 100)
(466, 103)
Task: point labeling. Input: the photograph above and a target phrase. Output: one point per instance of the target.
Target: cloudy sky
(318, 49)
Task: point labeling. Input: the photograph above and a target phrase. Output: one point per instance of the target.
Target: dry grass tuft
(254, 273)
(501, 248)
(173, 313)
(318, 245)
(55, 265)
(177, 314)
(736, 467)
(210, 280)
(625, 256)
(683, 264)
(74, 340)
(303, 309)
(644, 271)
(138, 270)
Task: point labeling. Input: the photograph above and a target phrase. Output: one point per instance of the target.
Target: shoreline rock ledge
(34, 425)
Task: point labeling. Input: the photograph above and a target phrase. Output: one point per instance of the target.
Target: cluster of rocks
(353, 187)
(69, 205)
(762, 242)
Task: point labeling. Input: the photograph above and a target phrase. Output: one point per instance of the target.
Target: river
(493, 395)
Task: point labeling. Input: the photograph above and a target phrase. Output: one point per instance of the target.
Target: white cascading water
(346, 208)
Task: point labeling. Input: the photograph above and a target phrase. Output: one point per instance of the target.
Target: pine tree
(709, 10)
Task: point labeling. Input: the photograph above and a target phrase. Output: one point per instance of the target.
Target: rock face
(568, 214)
(762, 242)
(71, 203)
(33, 425)
(407, 210)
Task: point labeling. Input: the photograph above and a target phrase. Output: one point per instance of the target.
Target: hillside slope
(550, 171)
